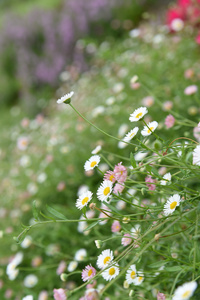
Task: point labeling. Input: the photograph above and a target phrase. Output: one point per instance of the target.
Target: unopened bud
(63, 277)
(98, 243)
(92, 205)
(125, 220)
(134, 79)
(131, 293)
(157, 236)
(126, 285)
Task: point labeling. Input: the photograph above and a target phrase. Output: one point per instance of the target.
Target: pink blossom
(88, 273)
(150, 183)
(167, 105)
(59, 294)
(169, 121)
(120, 173)
(126, 240)
(190, 90)
(116, 227)
(91, 285)
(196, 133)
(189, 73)
(160, 296)
(198, 39)
(61, 267)
(118, 188)
(91, 294)
(110, 175)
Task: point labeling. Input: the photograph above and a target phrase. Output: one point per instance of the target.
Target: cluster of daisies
(118, 176)
(137, 115)
(110, 269)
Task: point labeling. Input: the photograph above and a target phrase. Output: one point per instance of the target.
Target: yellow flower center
(106, 260)
(106, 191)
(112, 271)
(150, 129)
(85, 200)
(133, 274)
(140, 278)
(90, 272)
(132, 134)
(173, 205)
(93, 164)
(138, 115)
(186, 294)
(111, 177)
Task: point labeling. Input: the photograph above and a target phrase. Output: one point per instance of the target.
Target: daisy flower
(166, 179)
(126, 240)
(72, 266)
(88, 273)
(110, 175)
(171, 204)
(185, 291)
(92, 162)
(111, 272)
(30, 281)
(96, 150)
(104, 258)
(80, 255)
(196, 156)
(104, 191)
(84, 199)
(147, 130)
(131, 134)
(116, 227)
(138, 114)
(66, 98)
(135, 231)
(139, 279)
(131, 274)
(22, 143)
(59, 294)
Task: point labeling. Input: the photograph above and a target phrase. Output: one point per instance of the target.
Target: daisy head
(147, 130)
(88, 273)
(84, 199)
(66, 98)
(171, 204)
(111, 272)
(80, 255)
(131, 274)
(92, 162)
(131, 134)
(110, 175)
(196, 156)
(166, 179)
(139, 278)
(185, 291)
(105, 190)
(104, 258)
(138, 114)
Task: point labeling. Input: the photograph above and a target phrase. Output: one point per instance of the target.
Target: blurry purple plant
(43, 42)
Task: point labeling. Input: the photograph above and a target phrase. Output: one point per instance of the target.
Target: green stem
(97, 128)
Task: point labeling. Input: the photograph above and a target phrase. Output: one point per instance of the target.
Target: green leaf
(91, 226)
(55, 213)
(157, 264)
(35, 211)
(155, 172)
(47, 217)
(148, 168)
(173, 269)
(132, 160)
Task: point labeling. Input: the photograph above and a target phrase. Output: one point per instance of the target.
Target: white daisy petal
(185, 291)
(105, 190)
(131, 274)
(171, 204)
(147, 130)
(166, 179)
(138, 114)
(92, 162)
(111, 272)
(196, 156)
(131, 134)
(84, 199)
(104, 258)
(65, 98)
